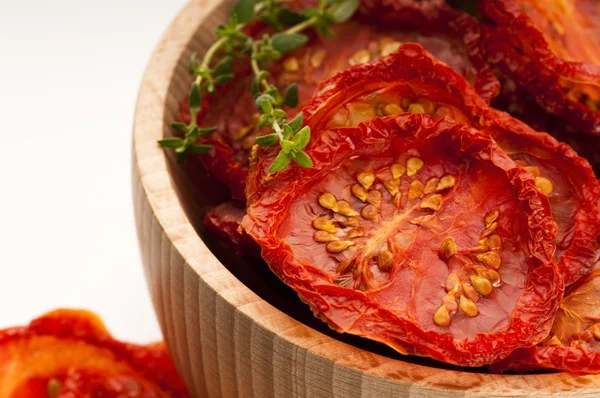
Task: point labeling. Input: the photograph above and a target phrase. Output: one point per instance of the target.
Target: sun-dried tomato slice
(414, 81)
(522, 106)
(551, 49)
(564, 35)
(574, 342)
(67, 354)
(571, 186)
(451, 36)
(585, 145)
(383, 239)
(225, 221)
(435, 17)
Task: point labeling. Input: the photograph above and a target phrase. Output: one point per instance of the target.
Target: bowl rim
(151, 169)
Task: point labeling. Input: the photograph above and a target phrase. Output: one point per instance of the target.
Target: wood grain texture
(225, 340)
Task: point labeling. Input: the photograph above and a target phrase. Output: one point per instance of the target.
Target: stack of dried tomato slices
(431, 221)
(552, 50)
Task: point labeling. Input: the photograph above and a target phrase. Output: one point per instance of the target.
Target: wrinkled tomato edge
(541, 83)
(567, 359)
(535, 76)
(582, 255)
(529, 38)
(411, 64)
(437, 17)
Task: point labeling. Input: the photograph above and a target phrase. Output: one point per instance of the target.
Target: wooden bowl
(225, 338)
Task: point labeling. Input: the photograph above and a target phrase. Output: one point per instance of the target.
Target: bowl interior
(197, 191)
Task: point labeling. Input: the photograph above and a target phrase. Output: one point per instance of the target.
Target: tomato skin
(554, 68)
(576, 189)
(359, 312)
(577, 312)
(74, 348)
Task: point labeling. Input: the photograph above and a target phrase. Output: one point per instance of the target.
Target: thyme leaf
(232, 43)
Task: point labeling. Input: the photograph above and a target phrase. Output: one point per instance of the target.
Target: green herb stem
(214, 48)
(275, 125)
(302, 25)
(210, 53)
(257, 71)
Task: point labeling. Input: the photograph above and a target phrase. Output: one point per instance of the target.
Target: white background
(69, 75)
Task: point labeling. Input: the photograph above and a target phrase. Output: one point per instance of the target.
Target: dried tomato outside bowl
(551, 49)
(451, 36)
(413, 80)
(377, 239)
(69, 353)
(574, 342)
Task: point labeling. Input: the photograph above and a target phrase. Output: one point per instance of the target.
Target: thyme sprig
(234, 44)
